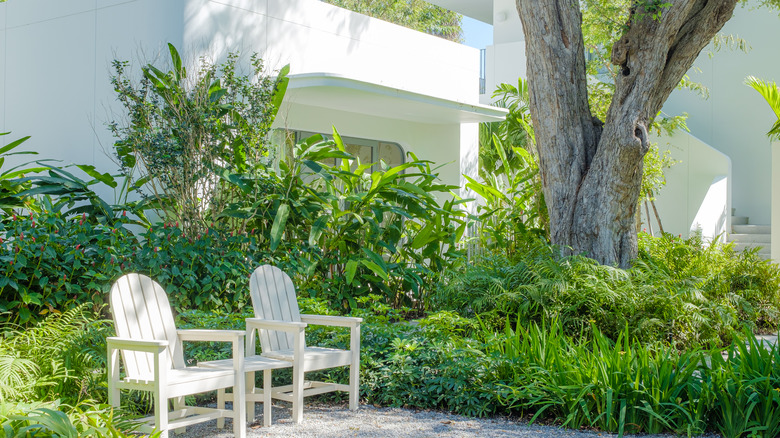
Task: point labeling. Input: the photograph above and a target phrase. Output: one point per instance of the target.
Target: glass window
(366, 151)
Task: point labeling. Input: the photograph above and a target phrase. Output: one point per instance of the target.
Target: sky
(476, 33)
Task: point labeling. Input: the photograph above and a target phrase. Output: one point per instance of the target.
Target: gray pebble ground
(324, 421)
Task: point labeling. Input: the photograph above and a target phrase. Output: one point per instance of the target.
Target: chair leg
(239, 403)
(178, 403)
(221, 405)
(297, 393)
(250, 389)
(161, 412)
(267, 398)
(354, 386)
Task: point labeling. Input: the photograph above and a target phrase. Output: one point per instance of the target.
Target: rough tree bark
(592, 170)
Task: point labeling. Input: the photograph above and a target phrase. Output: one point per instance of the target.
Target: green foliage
(680, 291)
(348, 233)
(742, 390)
(198, 271)
(54, 359)
(620, 386)
(52, 263)
(10, 184)
(771, 93)
(414, 14)
(55, 420)
(181, 128)
(510, 185)
(653, 177)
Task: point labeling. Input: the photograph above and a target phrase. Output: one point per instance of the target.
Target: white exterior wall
(55, 67)
(735, 118)
(696, 195)
(505, 59)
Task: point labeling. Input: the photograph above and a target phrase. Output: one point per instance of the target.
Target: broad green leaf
(14, 144)
(317, 228)
(423, 237)
(350, 270)
(277, 229)
(280, 89)
(178, 71)
(105, 178)
(376, 269)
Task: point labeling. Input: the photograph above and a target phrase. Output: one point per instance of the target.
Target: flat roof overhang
(328, 90)
(481, 10)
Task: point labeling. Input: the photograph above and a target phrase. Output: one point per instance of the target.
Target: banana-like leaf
(376, 269)
(280, 90)
(350, 270)
(280, 221)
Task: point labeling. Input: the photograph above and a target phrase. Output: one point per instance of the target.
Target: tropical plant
(512, 201)
(53, 263)
(10, 183)
(770, 92)
(740, 388)
(679, 292)
(346, 232)
(57, 358)
(620, 386)
(55, 420)
(182, 127)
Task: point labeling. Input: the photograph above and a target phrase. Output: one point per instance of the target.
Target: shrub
(346, 233)
(55, 359)
(55, 420)
(678, 292)
(182, 129)
(208, 271)
(52, 263)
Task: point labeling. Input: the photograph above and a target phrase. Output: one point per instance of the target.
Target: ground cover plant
(682, 292)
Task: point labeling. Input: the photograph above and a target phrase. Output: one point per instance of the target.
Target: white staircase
(745, 236)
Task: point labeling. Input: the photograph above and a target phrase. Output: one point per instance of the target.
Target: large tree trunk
(592, 171)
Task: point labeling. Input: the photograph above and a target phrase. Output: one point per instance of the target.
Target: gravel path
(327, 421)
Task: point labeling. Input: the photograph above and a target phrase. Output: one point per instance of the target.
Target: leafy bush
(679, 291)
(207, 271)
(55, 420)
(182, 129)
(54, 359)
(618, 387)
(741, 390)
(346, 233)
(52, 263)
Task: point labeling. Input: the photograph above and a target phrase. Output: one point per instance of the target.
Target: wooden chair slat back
(273, 297)
(142, 311)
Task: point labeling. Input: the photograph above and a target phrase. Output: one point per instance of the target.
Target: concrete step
(739, 220)
(751, 238)
(763, 248)
(751, 229)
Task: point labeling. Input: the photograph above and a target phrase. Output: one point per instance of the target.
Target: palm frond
(770, 92)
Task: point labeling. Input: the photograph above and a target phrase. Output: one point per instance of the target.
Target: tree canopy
(414, 14)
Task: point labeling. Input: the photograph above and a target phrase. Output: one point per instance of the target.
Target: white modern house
(725, 163)
(387, 89)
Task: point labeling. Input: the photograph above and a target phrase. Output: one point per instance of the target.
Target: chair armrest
(211, 335)
(147, 346)
(335, 321)
(273, 324)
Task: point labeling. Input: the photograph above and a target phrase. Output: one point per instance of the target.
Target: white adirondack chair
(151, 350)
(282, 337)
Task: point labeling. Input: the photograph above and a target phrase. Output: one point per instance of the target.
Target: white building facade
(376, 82)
